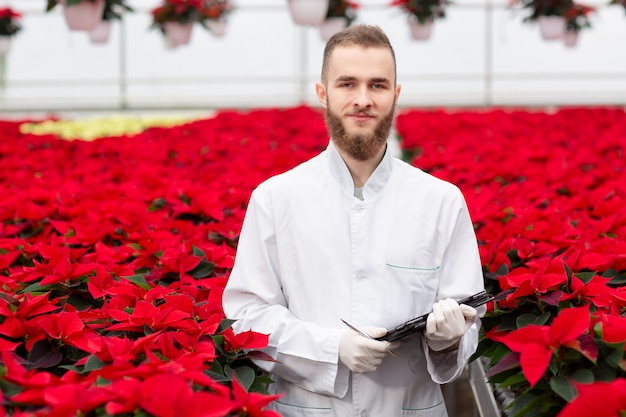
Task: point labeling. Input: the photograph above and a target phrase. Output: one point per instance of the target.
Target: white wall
(480, 54)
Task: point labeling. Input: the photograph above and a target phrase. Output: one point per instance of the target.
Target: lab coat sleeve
(305, 353)
(461, 276)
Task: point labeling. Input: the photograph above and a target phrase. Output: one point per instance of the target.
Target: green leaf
(568, 273)
(526, 405)
(36, 289)
(585, 277)
(512, 381)
(203, 270)
(140, 280)
(526, 319)
(93, 364)
(584, 376)
(217, 369)
(499, 352)
(619, 280)
(198, 252)
(563, 388)
(157, 204)
(224, 324)
(218, 340)
(245, 376)
(79, 302)
(9, 389)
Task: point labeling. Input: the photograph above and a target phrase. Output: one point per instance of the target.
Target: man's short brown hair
(360, 35)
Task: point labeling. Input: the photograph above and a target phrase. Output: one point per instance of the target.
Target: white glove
(448, 323)
(361, 354)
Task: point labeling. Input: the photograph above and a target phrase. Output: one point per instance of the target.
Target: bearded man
(358, 235)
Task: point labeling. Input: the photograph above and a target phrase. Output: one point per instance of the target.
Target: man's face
(359, 95)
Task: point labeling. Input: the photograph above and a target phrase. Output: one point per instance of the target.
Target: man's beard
(359, 146)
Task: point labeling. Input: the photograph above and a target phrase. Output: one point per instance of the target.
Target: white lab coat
(310, 253)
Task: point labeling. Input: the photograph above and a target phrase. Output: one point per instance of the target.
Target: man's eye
(346, 85)
(378, 86)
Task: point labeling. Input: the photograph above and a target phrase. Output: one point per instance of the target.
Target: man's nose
(363, 98)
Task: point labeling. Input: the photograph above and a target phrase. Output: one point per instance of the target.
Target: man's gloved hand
(361, 354)
(447, 323)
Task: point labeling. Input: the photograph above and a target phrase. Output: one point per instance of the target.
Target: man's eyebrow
(345, 78)
(342, 78)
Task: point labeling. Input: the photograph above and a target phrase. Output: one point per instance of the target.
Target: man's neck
(362, 170)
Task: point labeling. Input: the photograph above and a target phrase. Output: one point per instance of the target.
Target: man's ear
(320, 90)
(397, 92)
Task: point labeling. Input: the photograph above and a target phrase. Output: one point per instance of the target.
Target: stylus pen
(362, 333)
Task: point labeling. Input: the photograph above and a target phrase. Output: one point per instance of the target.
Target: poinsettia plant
(423, 10)
(9, 21)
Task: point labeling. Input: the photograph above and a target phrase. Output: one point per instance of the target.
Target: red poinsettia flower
(613, 328)
(537, 344)
(244, 340)
(252, 404)
(68, 328)
(600, 399)
(167, 395)
(524, 283)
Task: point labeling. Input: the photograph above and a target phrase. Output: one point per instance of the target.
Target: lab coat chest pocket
(409, 289)
(410, 280)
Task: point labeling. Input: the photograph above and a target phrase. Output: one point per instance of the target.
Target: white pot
(177, 34)
(331, 26)
(85, 15)
(420, 31)
(308, 12)
(217, 26)
(101, 33)
(552, 27)
(5, 45)
(570, 39)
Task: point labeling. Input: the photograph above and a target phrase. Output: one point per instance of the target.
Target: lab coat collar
(375, 183)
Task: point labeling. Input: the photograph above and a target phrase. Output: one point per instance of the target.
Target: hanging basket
(308, 12)
(101, 33)
(177, 34)
(5, 45)
(420, 31)
(331, 26)
(84, 16)
(217, 27)
(552, 27)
